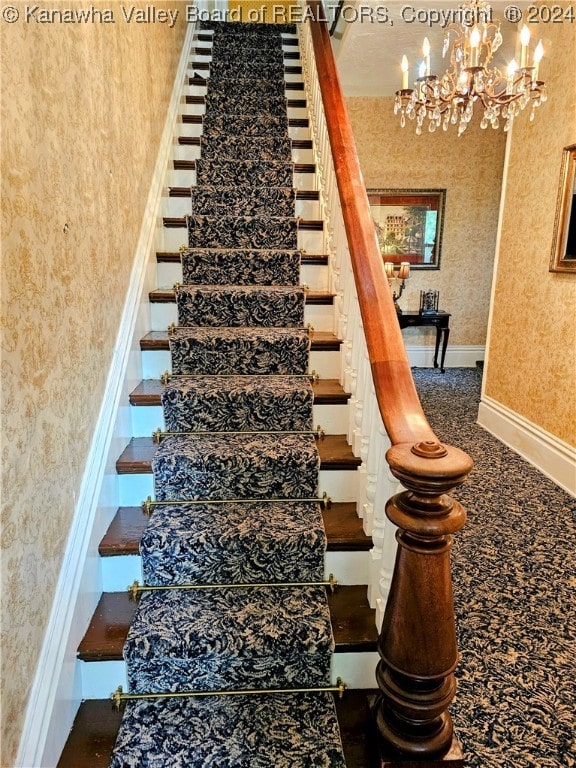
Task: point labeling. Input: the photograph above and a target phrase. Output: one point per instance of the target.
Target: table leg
(439, 332)
(437, 347)
(444, 347)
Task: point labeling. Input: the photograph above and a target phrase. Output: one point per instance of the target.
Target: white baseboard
(55, 691)
(465, 356)
(553, 457)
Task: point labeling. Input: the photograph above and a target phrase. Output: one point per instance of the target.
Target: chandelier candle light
(449, 99)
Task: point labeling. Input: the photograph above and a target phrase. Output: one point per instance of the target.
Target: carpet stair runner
(248, 267)
(242, 201)
(236, 471)
(245, 125)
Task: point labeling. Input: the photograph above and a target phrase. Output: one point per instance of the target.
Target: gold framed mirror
(563, 257)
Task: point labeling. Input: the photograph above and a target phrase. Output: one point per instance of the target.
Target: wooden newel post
(417, 643)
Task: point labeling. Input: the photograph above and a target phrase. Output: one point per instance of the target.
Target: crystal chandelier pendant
(471, 78)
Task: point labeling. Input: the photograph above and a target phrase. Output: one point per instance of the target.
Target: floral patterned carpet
(514, 566)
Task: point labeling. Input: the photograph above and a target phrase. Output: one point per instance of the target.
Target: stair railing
(388, 429)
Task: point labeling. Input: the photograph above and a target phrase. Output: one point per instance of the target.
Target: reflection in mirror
(563, 258)
(409, 225)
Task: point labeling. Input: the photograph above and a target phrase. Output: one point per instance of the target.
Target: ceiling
(368, 54)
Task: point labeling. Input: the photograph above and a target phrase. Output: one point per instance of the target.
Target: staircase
(227, 452)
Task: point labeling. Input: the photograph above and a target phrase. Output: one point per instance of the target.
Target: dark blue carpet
(514, 569)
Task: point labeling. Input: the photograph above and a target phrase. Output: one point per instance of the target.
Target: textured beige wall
(532, 347)
(470, 169)
(83, 108)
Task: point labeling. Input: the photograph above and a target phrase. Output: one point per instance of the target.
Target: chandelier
(450, 98)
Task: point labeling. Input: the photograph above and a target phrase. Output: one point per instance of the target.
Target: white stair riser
(187, 178)
(173, 238)
(202, 90)
(315, 276)
(182, 206)
(121, 571)
(332, 418)
(197, 43)
(340, 485)
(347, 567)
(320, 316)
(294, 113)
(185, 129)
(195, 129)
(101, 678)
(118, 573)
(193, 152)
(289, 78)
(206, 45)
(357, 670)
(326, 364)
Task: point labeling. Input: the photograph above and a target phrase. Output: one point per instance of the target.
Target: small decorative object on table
(400, 273)
(429, 302)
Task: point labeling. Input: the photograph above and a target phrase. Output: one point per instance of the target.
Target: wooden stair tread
(344, 528)
(202, 51)
(201, 100)
(168, 296)
(353, 624)
(136, 458)
(92, 737)
(353, 621)
(342, 524)
(174, 257)
(195, 141)
(301, 194)
(108, 628)
(205, 81)
(293, 122)
(206, 37)
(321, 340)
(190, 165)
(179, 222)
(326, 392)
(204, 66)
(96, 725)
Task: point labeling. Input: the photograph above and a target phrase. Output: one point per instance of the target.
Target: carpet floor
(514, 572)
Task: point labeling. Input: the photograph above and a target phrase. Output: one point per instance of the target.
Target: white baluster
(355, 336)
(383, 532)
(366, 433)
(369, 453)
(360, 434)
(350, 362)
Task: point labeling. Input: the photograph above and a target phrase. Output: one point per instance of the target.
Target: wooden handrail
(417, 642)
(398, 400)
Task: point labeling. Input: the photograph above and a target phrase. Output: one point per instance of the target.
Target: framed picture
(409, 225)
(563, 257)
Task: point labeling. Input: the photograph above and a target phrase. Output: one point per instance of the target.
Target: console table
(439, 320)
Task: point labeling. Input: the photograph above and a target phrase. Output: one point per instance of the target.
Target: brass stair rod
(185, 247)
(177, 286)
(118, 696)
(149, 503)
(136, 587)
(166, 376)
(174, 327)
(159, 434)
